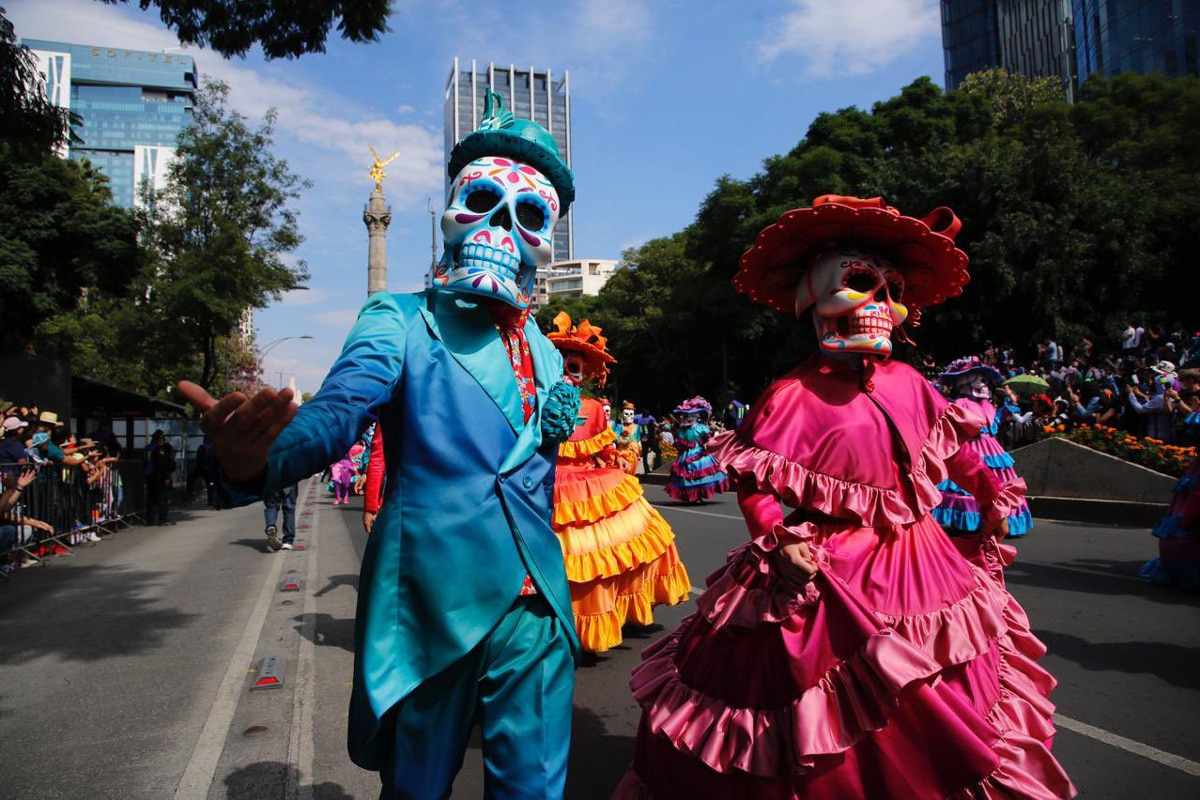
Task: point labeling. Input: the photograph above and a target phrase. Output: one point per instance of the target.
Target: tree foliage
(30, 125)
(215, 243)
(1076, 219)
(60, 238)
(284, 28)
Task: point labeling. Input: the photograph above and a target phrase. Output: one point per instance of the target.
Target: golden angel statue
(376, 172)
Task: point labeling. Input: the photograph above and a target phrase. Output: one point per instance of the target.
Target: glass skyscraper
(1025, 37)
(1070, 39)
(132, 105)
(1113, 36)
(528, 93)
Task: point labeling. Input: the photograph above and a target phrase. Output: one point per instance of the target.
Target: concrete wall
(1059, 468)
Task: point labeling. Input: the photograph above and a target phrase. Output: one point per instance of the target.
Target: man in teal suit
(464, 614)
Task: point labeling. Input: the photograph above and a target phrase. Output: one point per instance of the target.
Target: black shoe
(273, 538)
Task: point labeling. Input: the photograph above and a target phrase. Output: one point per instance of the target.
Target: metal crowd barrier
(65, 499)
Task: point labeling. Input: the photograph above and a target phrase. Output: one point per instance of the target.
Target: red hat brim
(934, 269)
(590, 351)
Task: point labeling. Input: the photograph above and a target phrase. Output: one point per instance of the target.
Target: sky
(667, 96)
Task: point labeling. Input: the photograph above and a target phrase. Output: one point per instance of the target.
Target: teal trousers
(517, 686)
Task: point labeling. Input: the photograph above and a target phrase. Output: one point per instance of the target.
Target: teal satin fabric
(467, 509)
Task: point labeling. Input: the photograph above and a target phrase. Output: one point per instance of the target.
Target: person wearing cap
(464, 612)
(848, 650)
(12, 447)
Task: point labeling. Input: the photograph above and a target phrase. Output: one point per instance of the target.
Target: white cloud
(304, 297)
(319, 119)
(852, 38)
(338, 318)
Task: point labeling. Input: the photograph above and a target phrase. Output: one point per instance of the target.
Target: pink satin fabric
(904, 669)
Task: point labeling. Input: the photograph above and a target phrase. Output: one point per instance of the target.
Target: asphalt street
(125, 670)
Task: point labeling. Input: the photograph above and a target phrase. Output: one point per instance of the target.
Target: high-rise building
(1113, 36)
(529, 94)
(563, 279)
(1025, 37)
(1070, 39)
(132, 105)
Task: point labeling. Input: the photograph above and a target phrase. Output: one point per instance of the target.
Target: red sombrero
(585, 339)
(923, 249)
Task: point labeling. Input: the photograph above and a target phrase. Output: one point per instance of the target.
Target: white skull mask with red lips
(855, 295)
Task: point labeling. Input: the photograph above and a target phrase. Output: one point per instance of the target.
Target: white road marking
(198, 776)
(1128, 745)
(695, 511)
(304, 699)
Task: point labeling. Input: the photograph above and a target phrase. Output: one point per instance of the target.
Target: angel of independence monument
(377, 216)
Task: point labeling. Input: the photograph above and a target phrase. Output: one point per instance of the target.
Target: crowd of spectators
(1145, 383)
(55, 490)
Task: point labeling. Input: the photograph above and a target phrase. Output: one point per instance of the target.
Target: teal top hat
(502, 134)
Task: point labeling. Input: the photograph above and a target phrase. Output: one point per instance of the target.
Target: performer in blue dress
(695, 475)
(464, 615)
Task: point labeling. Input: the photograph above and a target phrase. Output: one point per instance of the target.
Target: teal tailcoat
(466, 514)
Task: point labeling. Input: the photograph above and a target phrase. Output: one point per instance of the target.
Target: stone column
(377, 215)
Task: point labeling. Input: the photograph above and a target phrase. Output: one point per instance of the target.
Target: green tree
(29, 123)
(222, 231)
(60, 238)
(283, 29)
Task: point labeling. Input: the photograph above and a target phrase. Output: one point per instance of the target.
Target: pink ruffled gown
(902, 670)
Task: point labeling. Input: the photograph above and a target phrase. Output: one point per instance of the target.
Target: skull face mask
(975, 386)
(573, 367)
(497, 230)
(627, 416)
(856, 297)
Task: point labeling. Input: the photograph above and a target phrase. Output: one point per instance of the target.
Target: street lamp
(263, 353)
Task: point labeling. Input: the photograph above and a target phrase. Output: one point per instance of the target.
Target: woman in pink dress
(848, 650)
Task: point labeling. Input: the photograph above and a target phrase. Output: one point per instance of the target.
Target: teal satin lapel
(470, 336)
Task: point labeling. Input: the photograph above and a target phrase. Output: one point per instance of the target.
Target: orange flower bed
(1147, 452)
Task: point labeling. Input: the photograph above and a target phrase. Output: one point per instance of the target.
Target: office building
(1144, 36)
(1070, 39)
(530, 94)
(572, 279)
(132, 105)
(1025, 37)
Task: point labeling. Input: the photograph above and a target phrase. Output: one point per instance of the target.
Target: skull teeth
(490, 259)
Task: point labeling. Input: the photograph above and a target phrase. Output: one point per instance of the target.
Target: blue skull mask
(498, 229)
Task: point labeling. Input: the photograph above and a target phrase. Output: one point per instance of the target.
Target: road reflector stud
(270, 674)
(291, 584)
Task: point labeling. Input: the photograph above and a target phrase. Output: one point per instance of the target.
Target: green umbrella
(1027, 384)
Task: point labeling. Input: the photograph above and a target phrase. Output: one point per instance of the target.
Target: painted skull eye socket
(531, 216)
(895, 285)
(861, 281)
(482, 200)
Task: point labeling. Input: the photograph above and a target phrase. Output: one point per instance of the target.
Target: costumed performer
(970, 383)
(695, 475)
(464, 615)
(629, 438)
(1178, 534)
(619, 551)
(848, 650)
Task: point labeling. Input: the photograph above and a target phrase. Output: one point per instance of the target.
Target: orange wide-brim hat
(584, 338)
(922, 249)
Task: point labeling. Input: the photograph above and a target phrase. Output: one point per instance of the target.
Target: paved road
(124, 671)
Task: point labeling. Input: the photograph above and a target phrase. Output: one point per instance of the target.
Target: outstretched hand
(242, 428)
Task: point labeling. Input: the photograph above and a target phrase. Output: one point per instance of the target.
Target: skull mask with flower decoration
(509, 188)
(855, 295)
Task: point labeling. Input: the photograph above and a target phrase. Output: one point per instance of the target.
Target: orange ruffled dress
(620, 553)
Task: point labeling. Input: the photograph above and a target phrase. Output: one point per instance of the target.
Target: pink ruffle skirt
(903, 670)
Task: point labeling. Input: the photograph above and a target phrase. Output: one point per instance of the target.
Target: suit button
(527, 482)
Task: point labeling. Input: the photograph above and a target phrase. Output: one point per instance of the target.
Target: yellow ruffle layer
(587, 447)
(615, 545)
(602, 608)
(597, 506)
